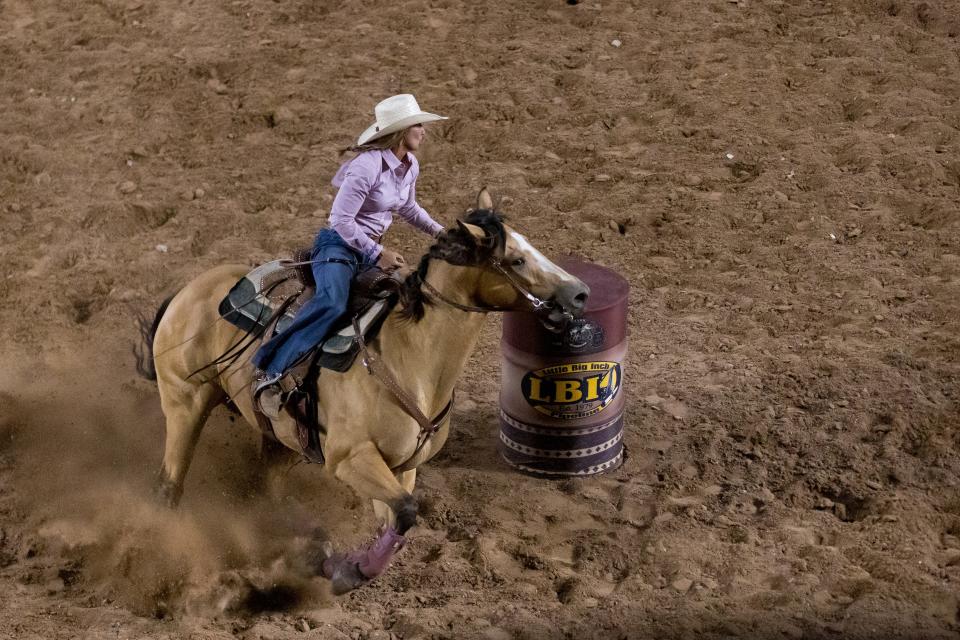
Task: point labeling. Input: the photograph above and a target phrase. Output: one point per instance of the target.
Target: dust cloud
(86, 445)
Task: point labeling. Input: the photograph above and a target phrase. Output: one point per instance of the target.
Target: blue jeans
(315, 319)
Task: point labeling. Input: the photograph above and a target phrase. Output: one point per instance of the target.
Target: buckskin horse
(376, 437)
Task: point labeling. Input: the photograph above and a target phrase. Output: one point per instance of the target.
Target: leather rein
(539, 305)
(379, 370)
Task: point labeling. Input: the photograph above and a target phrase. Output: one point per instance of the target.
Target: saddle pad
(250, 307)
(255, 298)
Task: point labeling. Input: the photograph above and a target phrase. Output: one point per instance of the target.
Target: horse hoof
(346, 577)
(168, 494)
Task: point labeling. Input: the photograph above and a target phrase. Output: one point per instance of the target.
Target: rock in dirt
(328, 632)
(685, 502)
(712, 490)
(263, 631)
(723, 521)
(283, 114)
(663, 518)
(297, 74)
(54, 586)
(799, 536)
(303, 626)
(127, 187)
(638, 511)
(951, 558)
(465, 405)
(682, 584)
(840, 510)
(496, 633)
(217, 86)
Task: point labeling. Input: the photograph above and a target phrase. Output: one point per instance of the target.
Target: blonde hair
(389, 141)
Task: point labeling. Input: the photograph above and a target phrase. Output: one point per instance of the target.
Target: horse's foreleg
(385, 514)
(366, 472)
(186, 412)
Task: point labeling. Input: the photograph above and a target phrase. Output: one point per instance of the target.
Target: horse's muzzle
(567, 303)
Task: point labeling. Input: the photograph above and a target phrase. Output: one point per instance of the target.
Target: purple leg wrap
(378, 555)
(371, 561)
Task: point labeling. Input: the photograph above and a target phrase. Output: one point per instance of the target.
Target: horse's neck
(428, 356)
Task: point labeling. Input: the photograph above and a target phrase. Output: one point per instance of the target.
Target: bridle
(495, 263)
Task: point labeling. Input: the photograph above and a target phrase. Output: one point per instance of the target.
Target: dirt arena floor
(778, 180)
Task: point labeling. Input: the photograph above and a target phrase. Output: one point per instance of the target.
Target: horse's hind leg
(275, 460)
(186, 407)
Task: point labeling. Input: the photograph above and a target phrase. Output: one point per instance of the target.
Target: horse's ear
(477, 233)
(484, 201)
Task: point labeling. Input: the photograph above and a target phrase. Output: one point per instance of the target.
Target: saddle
(265, 301)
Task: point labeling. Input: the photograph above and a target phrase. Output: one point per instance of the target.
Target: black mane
(456, 246)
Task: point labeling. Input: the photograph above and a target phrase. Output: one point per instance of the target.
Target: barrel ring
(569, 453)
(561, 431)
(613, 463)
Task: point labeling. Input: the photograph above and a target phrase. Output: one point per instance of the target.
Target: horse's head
(510, 274)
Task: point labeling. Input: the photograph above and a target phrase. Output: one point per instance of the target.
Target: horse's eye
(518, 262)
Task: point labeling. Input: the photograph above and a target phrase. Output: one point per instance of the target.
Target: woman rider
(378, 181)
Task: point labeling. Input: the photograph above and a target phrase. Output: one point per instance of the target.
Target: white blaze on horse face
(546, 271)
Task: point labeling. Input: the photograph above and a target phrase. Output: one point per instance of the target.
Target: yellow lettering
(568, 391)
(593, 392)
(535, 390)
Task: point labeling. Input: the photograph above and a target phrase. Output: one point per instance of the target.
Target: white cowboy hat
(395, 114)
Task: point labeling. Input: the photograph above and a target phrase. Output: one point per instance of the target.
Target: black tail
(143, 352)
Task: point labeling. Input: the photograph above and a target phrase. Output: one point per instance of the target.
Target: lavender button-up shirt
(372, 187)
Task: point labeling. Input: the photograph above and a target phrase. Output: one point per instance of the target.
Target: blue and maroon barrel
(561, 395)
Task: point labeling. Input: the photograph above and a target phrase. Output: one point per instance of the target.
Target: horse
(374, 442)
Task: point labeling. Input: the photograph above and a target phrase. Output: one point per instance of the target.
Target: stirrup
(268, 395)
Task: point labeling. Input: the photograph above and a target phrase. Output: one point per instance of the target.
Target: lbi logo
(571, 391)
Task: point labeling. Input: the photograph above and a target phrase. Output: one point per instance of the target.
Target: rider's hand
(390, 260)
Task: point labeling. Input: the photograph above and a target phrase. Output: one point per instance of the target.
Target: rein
(376, 368)
(539, 305)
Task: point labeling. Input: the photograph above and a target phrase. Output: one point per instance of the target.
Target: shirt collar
(393, 162)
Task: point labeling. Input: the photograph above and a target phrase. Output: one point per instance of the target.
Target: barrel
(561, 394)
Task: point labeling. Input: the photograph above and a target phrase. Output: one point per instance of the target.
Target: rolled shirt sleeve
(357, 182)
